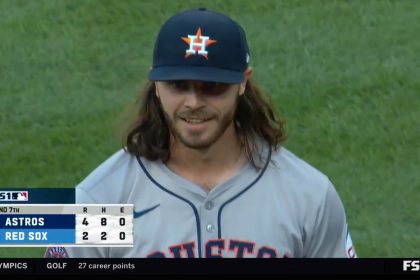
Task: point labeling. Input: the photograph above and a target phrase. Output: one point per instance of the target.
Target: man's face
(198, 113)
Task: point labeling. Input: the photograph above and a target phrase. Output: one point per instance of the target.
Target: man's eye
(214, 87)
(211, 88)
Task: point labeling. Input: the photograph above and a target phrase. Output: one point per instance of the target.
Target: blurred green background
(344, 74)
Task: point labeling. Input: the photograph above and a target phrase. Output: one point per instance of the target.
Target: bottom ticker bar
(210, 266)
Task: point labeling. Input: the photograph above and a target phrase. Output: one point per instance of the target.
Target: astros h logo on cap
(198, 44)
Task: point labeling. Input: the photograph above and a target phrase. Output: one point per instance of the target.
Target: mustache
(196, 113)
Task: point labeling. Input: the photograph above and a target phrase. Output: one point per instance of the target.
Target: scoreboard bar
(71, 225)
(32, 195)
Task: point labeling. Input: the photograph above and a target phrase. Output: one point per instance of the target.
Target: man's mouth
(195, 120)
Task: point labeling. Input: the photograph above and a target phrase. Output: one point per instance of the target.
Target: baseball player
(203, 162)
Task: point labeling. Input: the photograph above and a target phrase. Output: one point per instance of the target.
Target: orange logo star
(197, 44)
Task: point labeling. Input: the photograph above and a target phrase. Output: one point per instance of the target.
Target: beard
(218, 124)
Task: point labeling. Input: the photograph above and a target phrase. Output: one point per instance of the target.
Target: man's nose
(193, 98)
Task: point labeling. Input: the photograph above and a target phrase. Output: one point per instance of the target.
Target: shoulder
(297, 172)
(110, 181)
(314, 199)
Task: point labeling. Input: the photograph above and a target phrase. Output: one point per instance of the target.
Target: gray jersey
(286, 209)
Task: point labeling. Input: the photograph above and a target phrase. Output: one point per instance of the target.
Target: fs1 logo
(13, 196)
(411, 265)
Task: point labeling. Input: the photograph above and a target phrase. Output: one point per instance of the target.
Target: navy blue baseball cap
(201, 45)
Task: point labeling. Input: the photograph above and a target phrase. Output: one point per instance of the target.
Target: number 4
(85, 222)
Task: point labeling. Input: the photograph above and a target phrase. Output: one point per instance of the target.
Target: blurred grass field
(344, 74)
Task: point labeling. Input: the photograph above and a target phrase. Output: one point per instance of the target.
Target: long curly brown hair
(255, 118)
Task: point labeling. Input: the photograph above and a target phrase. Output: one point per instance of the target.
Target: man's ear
(248, 75)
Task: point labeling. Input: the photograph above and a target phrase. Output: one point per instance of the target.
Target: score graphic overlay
(39, 217)
(72, 225)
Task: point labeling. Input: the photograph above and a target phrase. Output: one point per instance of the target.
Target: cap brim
(196, 73)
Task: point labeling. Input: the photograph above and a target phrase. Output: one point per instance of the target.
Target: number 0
(122, 235)
(122, 221)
